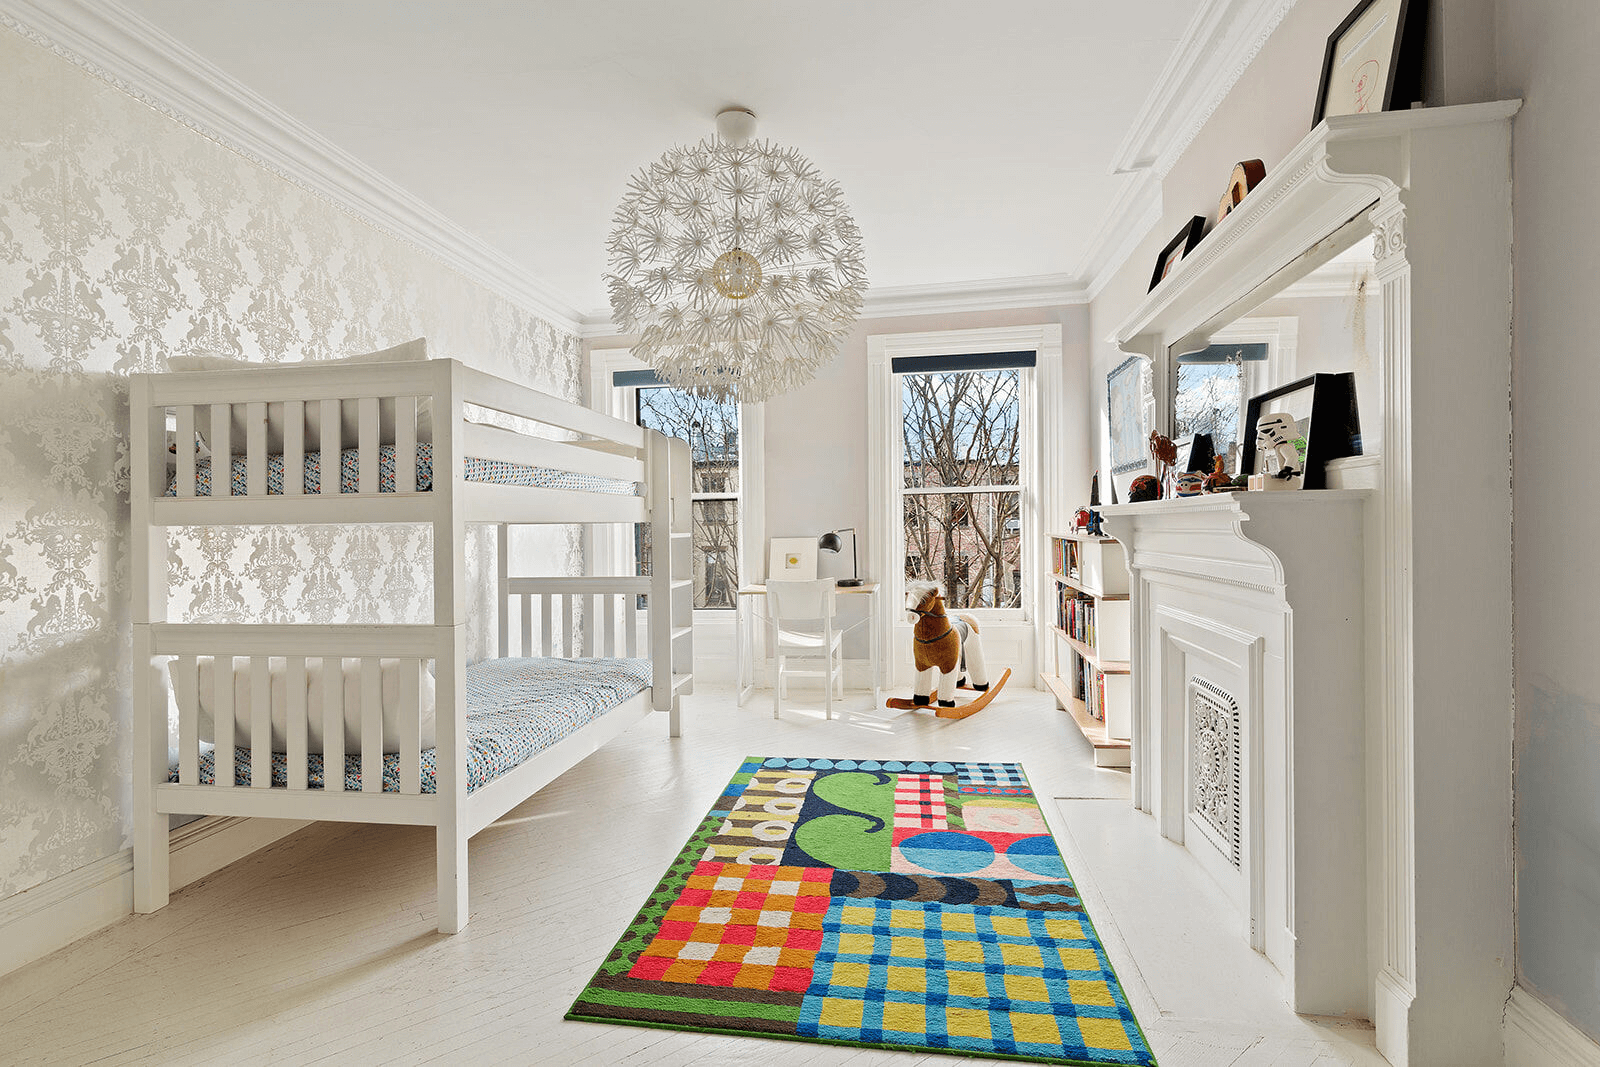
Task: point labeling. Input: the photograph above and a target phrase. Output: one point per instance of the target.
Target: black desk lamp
(829, 542)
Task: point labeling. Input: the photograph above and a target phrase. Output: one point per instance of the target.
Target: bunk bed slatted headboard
(585, 608)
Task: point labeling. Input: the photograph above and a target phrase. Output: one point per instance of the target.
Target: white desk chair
(801, 614)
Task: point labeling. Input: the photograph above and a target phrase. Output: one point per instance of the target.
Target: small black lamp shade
(829, 542)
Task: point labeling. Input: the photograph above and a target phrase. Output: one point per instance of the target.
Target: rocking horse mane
(920, 593)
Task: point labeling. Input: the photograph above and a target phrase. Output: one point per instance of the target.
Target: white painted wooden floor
(322, 949)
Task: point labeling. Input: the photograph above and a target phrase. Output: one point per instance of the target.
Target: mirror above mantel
(1327, 321)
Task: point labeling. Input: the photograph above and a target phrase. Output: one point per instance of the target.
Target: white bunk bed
(266, 489)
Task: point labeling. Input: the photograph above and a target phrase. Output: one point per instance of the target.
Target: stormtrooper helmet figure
(1276, 433)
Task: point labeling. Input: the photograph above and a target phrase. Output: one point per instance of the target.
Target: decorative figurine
(1165, 453)
(1278, 436)
(1144, 487)
(1191, 483)
(1081, 520)
(1217, 480)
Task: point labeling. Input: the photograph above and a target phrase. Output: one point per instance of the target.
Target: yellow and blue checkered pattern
(972, 978)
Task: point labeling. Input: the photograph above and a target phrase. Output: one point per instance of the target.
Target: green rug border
(574, 1016)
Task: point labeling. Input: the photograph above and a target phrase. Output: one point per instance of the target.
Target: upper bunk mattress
(515, 709)
(477, 470)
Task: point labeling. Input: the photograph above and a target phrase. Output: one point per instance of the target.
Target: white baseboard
(36, 922)
(1539, 1036)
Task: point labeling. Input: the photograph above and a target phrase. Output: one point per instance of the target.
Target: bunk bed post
(502, 588)
(449, 617)
(658, 490)
(148, 545)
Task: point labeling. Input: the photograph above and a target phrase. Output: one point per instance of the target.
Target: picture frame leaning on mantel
(1325, 407)
(1373, 61)
(1180, 246)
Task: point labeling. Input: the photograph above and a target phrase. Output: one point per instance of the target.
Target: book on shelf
(1077, 615)
(1065, 557)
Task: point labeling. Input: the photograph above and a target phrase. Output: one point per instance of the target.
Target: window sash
(1021, 488)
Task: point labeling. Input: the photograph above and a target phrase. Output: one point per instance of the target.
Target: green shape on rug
(848, 821)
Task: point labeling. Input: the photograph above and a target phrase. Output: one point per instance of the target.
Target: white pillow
(277, 674)
(414, 351)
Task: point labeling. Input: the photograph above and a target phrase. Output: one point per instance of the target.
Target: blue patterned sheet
(477, 470)
(515, 709)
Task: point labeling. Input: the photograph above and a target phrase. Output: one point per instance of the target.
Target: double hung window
(962, 478)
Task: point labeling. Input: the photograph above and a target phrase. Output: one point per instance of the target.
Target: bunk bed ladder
(671, 569)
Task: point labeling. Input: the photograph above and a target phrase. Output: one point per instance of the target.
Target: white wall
(1546, 56)
(124, 237)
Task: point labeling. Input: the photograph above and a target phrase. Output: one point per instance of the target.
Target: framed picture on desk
(792, 559)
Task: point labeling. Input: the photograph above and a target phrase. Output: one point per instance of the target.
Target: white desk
(744, 652)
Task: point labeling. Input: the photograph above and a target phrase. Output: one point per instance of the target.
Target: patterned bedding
(515, 709)
(478, 470)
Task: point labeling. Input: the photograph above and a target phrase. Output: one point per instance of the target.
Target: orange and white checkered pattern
(746, 926)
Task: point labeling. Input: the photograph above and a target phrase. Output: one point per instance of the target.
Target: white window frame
(610, 548)
(1043, 503)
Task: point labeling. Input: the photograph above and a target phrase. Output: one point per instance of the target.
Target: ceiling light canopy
(737, 263)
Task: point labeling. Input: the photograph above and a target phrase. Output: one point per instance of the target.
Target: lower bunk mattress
(516, 708)
(477, 470)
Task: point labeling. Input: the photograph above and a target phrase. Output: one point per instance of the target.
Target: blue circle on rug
(869, 765)
(918, 768)
(944, 852)
(944, 768)
(894, 765)
(776, 761)
(1037, 855)
(822, 764)
(845, 765)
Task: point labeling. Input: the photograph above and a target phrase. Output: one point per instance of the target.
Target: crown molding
(118, 46)
(1217, 46)
(1129, 220)
(995, 294)
(943, 298)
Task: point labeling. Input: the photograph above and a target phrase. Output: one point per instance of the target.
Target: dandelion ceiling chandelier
(737, 264)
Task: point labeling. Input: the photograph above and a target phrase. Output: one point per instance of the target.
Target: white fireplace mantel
(1248, 715)
(1432, 188)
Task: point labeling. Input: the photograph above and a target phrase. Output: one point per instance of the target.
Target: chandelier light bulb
(736, 274)
(736, 263)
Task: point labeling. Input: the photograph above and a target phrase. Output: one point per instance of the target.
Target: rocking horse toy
(946, 646)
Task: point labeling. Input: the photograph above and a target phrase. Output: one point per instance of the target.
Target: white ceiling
(974, 139)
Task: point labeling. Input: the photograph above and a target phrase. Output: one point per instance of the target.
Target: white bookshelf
(1091, 643)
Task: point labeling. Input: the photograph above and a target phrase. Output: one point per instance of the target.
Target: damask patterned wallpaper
(126, 237)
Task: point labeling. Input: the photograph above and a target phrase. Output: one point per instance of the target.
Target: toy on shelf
(1144, 487)
(947, 648)
(1217, 480)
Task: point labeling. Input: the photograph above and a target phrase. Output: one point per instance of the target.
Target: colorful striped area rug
(881, 903)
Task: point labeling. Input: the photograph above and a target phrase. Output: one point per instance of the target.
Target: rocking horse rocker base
(954, 711)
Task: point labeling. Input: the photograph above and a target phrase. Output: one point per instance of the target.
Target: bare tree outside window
(1208, 399)
(962, 490)
(711, 428)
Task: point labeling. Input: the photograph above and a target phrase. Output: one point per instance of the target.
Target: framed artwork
(1310, 421)
(1177, 248)
(1125, 408)
(1194, 454)
(792, 559)
(1374, 59)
